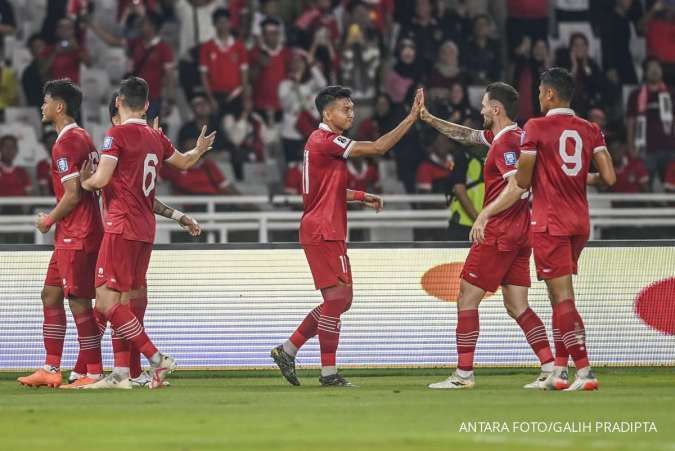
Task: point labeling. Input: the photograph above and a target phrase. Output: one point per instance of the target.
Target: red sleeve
(487, 136)
(66, 167)
(167, 147)
(215, 174)
(111, 144)
(338, 146)
(204, 57)
(529, 142)
(167, 55)
(597, 139)
(25, 180)
(506, 154)
(423, 178)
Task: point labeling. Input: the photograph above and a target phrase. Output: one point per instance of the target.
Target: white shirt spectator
(188, 16)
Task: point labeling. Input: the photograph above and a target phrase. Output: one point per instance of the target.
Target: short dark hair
(134, 93)
(330, 94)
(506, 95)
(112, 107)
(5, 138)
(67, 92)
(32, 38)
(155, 19)
(560, 80)
(218, 13)
(269, 21)
(578, 35)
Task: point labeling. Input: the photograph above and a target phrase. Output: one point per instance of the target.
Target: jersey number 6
(149, 168)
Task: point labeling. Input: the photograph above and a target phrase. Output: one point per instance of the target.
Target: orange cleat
(41, 378)
(79, 383)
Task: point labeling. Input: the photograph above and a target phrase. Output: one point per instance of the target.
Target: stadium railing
(402, 213)
(227, 305)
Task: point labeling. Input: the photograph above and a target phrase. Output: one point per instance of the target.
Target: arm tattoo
(460, 133)
(162, 209)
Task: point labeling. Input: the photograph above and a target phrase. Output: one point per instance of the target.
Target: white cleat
(111, 381)
(587, 383)
(73, 376)
(538, 383)
(557, 380)
(144, 379)
(158, 373)
(454, 382)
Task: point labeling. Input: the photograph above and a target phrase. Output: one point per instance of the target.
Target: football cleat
(557, 380)
(539, 381)
(81, 382)
(159, 372)
(455, 381)
(286, 364)
(144, 379)
(42, 378)
(73, 376)
(335, 380)
(111, 381)
(586, 383)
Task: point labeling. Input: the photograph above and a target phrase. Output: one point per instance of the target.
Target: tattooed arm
(460, 133)
(185, 221)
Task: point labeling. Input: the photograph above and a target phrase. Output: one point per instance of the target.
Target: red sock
(535, 333)
(80, 364)
(127, 326)
(572, 332)
(138, 307)
(120, 347)
(307, 328)
(335, 301)
(101, 322)
(90, 342)
(562, 355)
(467, 336)
(54, 333)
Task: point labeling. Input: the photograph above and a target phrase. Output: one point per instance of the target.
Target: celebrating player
(323, 228)
(132, 154)
(78, 235)
(555, 160)
(500, 254)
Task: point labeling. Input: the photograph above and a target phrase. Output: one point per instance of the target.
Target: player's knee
(79, 305)
(349, 295)
(50, 298)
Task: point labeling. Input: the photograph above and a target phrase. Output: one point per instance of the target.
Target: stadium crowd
(250, 70)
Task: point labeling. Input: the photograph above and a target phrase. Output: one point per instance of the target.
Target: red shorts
(488, 268)
(122, 264)
(73, 270)
(329, 263)
(556, 256)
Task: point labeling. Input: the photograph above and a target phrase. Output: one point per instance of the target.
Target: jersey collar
(135, 121)
(567, 111)
(63, 131)
(325, 127)
(508, 128)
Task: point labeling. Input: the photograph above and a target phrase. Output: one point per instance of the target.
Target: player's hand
(155, 124)
(205, 142)
(425, 115)
(40, 223)
(191, 225)
(86, 171)
(418, 103)
(477, 234)
(374, 202)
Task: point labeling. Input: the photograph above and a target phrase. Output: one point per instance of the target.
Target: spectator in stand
(446, 70)
(151, 59)
(659, 29)
(223, 62)
(64, 58)
(649, 120)
(244, 132)
(433, 173)
(406, 72)
(361, 54)
(43, 170)
(9, 87)
(268, 9)
(482, 55)
(525, 19)
(14, 180)
(293, 178)
(202, 115)
(270, 60)
(530, 61)
(33, 78)
(426, 31)
(454, 21)
(297, 93)
(319, 16)
(631, 173)
(615, 33)
(363, 175)
(455, 107)
(205, 177)
(7, 21)
(590, 81)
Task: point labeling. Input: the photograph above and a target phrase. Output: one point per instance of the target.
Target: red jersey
(82, 228)
(66, 64)
(203, 178)
(564, 145)
(630, 176)
(130, 195)
(151, 62)
(364, 179)
(43, 174)
(222, 62)
(14, 181)
(270, 75)
(429, 172)
(324, 187)
(508, 230)
(293, 179)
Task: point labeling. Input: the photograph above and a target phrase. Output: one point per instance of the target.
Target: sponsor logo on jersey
(342, 141)
(107, 143)
(510, 158)
(62, 165)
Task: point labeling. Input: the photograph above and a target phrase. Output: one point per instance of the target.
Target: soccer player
(131, 157)
(78, 233)
(323, 227)
(555, 160)
(500, 254)
(138, 298)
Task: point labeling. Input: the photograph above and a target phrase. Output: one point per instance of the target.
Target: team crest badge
(62, 165)
(107, 143)
(510, 158)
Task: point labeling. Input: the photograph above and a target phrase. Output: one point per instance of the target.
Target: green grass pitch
(391, 410)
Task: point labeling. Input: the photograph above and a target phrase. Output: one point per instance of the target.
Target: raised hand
(418, 103)
(425, 115)
(205, 142)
